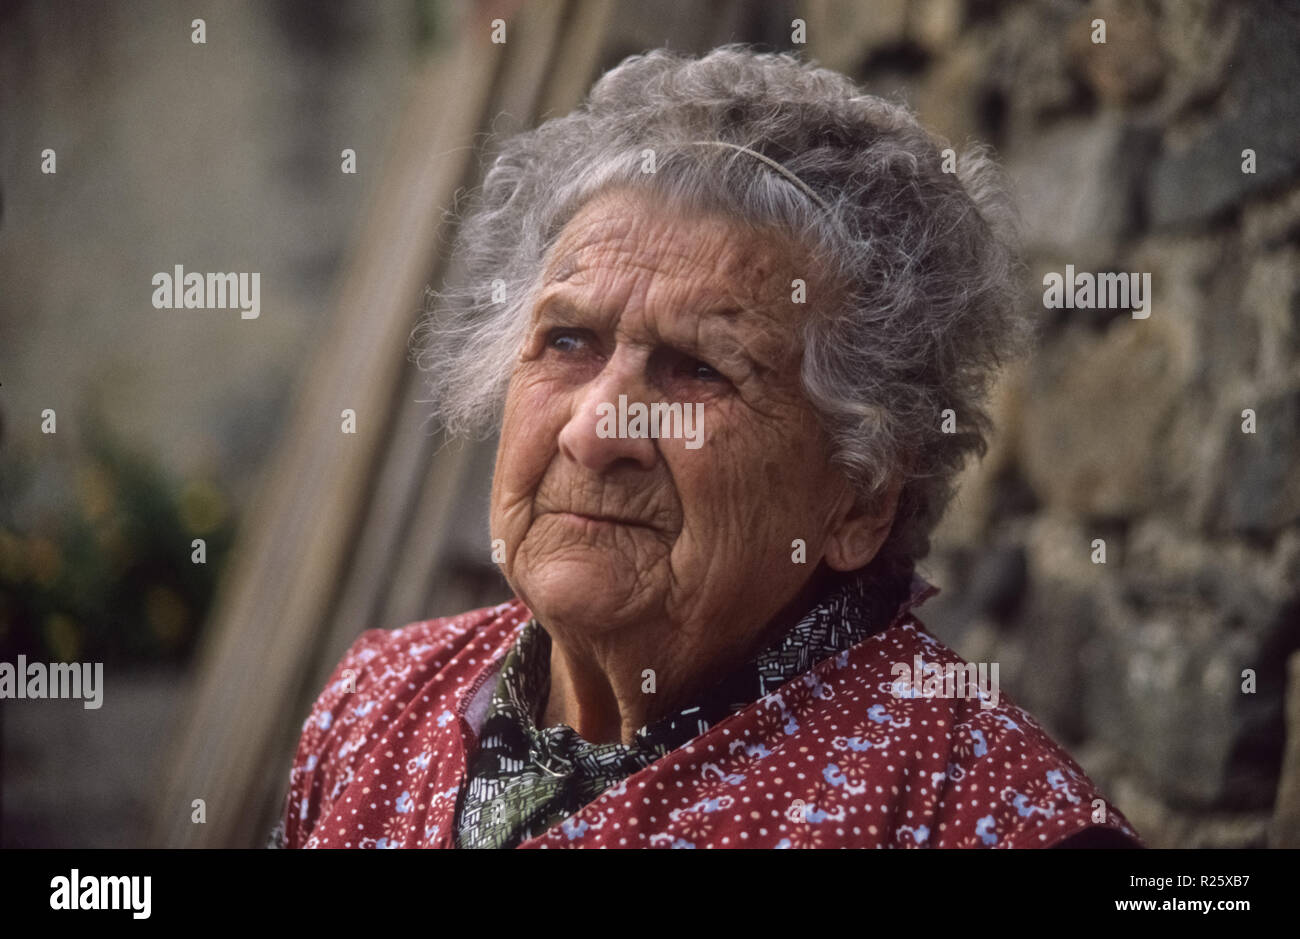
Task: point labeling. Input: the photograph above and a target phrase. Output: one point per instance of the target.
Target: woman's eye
(564, 341)
(698, 370)
(704, 372)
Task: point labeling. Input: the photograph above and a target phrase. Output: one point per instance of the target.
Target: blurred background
(176, 425)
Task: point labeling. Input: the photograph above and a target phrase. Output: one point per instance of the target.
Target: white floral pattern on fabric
(830, 759)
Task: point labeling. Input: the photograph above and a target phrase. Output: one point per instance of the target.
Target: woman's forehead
(628, 237)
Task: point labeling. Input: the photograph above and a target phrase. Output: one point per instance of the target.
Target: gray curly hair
(925, 263)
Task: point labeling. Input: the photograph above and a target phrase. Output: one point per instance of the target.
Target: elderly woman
(736, 320)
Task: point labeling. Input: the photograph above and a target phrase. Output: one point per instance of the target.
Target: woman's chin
(593, 592)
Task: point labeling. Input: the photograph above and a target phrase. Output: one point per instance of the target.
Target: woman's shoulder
(380, 676)
(380, 662)
(1000, 778)
(433, 641)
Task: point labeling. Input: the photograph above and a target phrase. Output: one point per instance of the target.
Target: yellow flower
(95, 489)
(202, 507)
(45, 560)
(167, 613)
(62, 636)
(114, 544)
(13, 558)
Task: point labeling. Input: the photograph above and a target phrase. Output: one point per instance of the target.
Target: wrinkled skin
(642, 554)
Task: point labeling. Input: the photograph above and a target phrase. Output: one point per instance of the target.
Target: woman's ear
(860, 531)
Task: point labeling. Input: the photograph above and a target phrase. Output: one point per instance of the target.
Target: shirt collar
(854, 608)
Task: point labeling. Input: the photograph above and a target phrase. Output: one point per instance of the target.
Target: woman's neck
(610, 688)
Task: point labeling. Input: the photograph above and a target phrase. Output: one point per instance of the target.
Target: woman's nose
(595, 435)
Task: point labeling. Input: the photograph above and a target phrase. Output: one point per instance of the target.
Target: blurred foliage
(109, 575)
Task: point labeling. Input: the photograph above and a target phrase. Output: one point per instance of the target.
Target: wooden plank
(586, 27)
(336, 512)
(299, 532)
(376, 593)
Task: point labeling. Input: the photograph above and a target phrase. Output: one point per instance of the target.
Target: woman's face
(605, 532)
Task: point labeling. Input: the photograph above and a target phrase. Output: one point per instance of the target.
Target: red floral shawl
(833, 758)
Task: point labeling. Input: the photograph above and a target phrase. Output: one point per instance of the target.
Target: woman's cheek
(708, 481)
(541, 401)
(534, 412)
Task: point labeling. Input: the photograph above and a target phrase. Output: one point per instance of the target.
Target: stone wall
(1127, 156)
